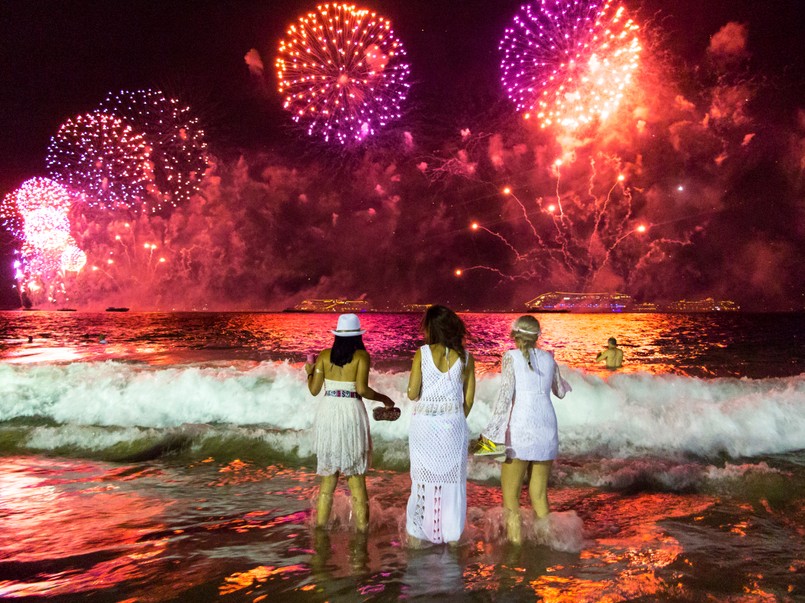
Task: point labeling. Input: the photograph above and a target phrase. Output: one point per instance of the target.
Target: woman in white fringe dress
(443, 384)
(341, 426)
(523, 424)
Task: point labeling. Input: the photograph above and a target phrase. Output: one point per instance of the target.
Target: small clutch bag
(381, 413)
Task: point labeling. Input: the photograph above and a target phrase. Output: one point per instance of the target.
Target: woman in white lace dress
(524, 421)
(443, 384)
(341, 426)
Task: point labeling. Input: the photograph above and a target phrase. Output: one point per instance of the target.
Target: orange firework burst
(343, 72)
(567, 63)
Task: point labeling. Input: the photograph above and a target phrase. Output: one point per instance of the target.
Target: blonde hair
(525, 332)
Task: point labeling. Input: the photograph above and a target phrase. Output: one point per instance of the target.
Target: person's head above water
(612, 341)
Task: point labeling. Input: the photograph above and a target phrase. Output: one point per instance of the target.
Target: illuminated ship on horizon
(331, 305)
(558, 301)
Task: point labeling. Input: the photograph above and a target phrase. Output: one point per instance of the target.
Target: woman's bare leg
(538, 487)
(511, 481)
(325, 501)
(360, 501)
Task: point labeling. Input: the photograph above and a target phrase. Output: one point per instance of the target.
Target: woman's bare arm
(315, 375)
(362, 382)
(415, 379)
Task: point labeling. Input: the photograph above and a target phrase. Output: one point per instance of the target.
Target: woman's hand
(387, 402)
(315, 373)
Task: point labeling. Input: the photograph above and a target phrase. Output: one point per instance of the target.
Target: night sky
(286, 217)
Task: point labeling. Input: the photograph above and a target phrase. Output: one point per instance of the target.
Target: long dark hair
(344, 348)
(441, 325)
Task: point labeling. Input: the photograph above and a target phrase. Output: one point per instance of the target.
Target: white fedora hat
(348, 325)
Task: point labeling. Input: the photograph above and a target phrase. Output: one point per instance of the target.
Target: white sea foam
(627, 415)
(562, 531)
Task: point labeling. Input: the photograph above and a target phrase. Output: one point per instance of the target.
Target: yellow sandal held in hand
(486, 447)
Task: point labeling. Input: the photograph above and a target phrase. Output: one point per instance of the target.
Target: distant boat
(297, 310)
(557, 301)
(114, 309)
(66, 310)
(331, 305)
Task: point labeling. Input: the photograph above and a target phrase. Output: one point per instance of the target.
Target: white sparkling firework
(73, 259)
(32, 195)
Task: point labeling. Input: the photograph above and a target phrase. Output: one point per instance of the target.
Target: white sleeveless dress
(523, 416)
(341, 431)
(438, 439)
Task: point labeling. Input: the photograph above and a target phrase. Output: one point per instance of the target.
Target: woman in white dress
(443, 384)
(523, 424)
(341, 426)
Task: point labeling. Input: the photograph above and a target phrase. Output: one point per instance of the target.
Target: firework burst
(73, 259)
(103, 158)
(47, 228)
(33, 195)
(342, 72)
(37, 215)
(568, 63)
(39, 265)
(175, 142)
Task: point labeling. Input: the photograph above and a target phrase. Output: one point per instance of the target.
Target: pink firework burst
(568, 63)
(32, 195)
(342, 72)
(103, 158)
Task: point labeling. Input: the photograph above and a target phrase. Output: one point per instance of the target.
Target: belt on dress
(341, 393)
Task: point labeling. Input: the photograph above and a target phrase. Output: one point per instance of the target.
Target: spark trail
(577, 238)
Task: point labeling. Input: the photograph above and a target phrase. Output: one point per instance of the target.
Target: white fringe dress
(438, 440)
(341, 431)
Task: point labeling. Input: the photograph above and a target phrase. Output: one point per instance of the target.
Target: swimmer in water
(612, 355)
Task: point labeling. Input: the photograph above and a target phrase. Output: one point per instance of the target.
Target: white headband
(525, 331)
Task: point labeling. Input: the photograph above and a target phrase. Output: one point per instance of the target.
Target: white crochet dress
(523, 416)
(341, 431)
(438, 440)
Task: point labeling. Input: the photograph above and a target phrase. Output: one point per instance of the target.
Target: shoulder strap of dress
(426, 353)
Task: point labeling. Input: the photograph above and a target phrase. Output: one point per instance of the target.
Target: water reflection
(65, 537)
(433, 572)
(698, 345)
(242, 531)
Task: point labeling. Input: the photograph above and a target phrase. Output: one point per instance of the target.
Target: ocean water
(168, 457)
